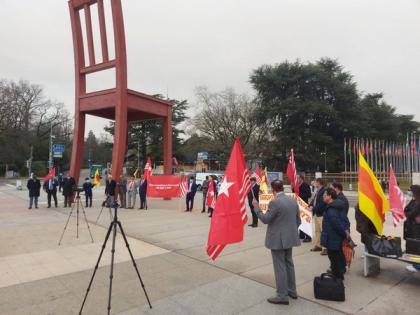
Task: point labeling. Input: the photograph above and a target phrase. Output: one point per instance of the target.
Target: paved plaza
(40, 277)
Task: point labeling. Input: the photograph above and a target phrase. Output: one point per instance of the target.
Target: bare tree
(226, 115)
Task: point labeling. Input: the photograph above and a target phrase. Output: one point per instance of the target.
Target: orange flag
(372, 200)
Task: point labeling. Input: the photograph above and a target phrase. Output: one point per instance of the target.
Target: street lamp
(50, 161)
(325, 159)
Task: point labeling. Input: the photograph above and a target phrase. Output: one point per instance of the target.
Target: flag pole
(345, 162)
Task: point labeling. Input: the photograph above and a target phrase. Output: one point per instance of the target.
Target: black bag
(385, 246)
(326, 287)
(412, 246)
(411, 230)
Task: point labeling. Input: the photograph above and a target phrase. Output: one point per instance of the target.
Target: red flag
(211, 197)
(229, 214)
(257, 174)
(396, 198)
(184, 187)
(148, 169)
(50, 174)
(291, 173)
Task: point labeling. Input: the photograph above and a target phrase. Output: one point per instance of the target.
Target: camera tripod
(78, 204)
(106, 202)
(113, 227)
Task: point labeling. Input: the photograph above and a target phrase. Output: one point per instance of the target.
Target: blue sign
(58, 148)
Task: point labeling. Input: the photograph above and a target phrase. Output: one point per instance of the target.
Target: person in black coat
(50, 187)
(87, 188)
(34, 187)
(335, 229)
(253, 193)
(192, 189)
(110, 187)
(339, 190)
(68, 187)
(318, 207)
(143, 192)
(304, 194)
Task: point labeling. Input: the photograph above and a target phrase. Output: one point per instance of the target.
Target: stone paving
(40, 277)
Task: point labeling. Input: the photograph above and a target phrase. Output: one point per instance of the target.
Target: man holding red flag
(229, 215)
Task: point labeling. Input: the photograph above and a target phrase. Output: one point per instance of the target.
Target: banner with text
(305, 212)
(164, 186)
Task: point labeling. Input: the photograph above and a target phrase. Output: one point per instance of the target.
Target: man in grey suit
(283, 220)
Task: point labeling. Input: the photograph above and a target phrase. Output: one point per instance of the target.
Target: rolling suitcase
(326, 287)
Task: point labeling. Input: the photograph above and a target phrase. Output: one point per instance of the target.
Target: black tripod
(78, 204)
(106, 202)
(113, 227)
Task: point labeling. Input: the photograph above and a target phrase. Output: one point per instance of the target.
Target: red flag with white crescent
(211, 195)
(229, 215)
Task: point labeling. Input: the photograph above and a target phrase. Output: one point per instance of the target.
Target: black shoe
(49, 207)
(203, 211)
(252, 225)
(306, 240)
(36, 207)
(294, 297)
(187, 210)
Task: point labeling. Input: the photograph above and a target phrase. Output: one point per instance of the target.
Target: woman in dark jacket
(335, 229)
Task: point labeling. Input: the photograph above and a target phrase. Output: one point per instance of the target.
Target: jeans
(204, 199)
(88, 200)
(31, 201)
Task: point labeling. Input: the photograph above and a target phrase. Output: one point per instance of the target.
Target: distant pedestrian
(122, 191)
(192, 189)
(143, 192)
(283, 220)
(131, 192)
(205, 188)
(253, 194)
(111, 186)
(34, 187)
(213, 183)
(60, 181)
(87, 188)
(68, 187)
(318, 207)
(50, 187)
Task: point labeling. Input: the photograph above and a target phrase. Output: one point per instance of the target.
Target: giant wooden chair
(119, 103)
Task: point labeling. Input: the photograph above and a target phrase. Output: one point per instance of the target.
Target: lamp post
(325, 158)
(50, 160)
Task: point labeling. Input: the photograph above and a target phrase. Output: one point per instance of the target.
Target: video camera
(78, 189)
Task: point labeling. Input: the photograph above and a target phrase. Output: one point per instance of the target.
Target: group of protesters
(127, 191)
(52, 185)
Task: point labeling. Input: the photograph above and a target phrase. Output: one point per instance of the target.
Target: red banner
(164, 186)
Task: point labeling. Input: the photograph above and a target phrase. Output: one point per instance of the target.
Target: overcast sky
(174, 46)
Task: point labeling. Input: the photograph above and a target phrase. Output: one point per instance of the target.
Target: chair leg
(78, 143)
(120, 143)
(167, 144)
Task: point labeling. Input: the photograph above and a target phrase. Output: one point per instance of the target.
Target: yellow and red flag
(264, 182)
(372, 200)
(97, 178)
